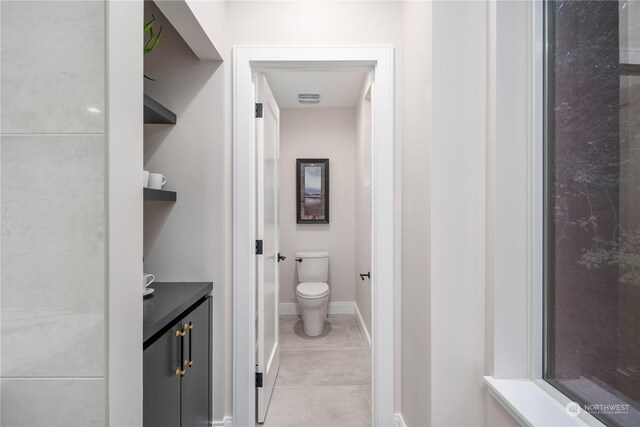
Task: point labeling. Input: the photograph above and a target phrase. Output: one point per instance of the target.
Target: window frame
(542, 155)
(525, 394)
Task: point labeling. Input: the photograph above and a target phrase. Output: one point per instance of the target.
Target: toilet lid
(312, 289)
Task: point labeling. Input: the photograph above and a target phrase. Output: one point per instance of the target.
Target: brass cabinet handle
(190, 360)
(181, 333)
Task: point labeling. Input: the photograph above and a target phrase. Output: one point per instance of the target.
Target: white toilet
(313, 291)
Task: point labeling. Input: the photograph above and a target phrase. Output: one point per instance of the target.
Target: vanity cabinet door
(196, 382)
(161, 400)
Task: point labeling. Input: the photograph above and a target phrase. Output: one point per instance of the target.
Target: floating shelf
(156, 113)
(630, 69)
(160, 195)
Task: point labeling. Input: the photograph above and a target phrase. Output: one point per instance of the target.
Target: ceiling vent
(308, 98)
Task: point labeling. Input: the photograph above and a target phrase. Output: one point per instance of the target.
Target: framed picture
(312, 184)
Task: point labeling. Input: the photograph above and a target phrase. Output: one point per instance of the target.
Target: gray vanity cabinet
(195, 382)
(161, 398)
(177, 360)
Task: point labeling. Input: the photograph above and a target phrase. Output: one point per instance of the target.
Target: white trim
(246, 61)
(225, 422)
(536, 192)
(531, 404)
(362, 326)
(399, 421)
(288, 309)
(529, 399)
(293, 309)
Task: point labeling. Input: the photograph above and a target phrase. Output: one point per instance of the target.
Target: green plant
(153, 41)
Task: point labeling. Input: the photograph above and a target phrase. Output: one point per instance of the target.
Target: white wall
(53, 177)
(319, 133)
(363, 203)
(415, 310)
(458, 212)
(126, 144)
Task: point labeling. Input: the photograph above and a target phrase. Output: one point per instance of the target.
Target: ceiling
(336, 88)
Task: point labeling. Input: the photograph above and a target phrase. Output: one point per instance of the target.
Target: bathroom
(325, 254)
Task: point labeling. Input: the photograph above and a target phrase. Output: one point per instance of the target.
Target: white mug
(145, 179)
(156, 181)
(145, 280)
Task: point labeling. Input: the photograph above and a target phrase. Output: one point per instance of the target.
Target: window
(592, 205)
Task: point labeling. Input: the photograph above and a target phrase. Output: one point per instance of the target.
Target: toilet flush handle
(362, 275)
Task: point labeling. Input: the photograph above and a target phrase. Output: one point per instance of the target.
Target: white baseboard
(226, 422)
(399, 420)
(292, 308)
(362, 326)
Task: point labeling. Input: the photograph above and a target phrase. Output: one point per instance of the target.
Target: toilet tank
(313, 267)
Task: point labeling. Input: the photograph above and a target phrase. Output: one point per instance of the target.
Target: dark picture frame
(312, 191)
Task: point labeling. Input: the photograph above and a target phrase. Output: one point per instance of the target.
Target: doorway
(250, 65)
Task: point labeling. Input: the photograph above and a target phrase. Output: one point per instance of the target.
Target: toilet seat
(312, 290)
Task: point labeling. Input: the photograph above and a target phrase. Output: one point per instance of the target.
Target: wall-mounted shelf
(630, 69)
(156, 113)
(160, 195)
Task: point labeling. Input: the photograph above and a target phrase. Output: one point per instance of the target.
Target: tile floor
(323, 381)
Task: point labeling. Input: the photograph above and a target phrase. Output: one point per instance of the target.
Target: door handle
(281, 258)
(362, 275)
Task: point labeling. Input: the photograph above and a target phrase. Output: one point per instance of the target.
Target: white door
(267, 140)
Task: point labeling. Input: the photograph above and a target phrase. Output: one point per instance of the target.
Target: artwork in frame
(312, 200)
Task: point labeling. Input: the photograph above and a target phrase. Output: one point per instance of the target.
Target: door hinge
(258, 379)
(258, 110)
(258, 247)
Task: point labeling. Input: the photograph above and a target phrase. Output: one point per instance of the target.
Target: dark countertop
(168, 302)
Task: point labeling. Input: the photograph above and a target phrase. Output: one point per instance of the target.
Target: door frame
(247, 60)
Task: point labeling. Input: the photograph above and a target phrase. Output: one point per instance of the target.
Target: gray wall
(319, 133)
(53, 213)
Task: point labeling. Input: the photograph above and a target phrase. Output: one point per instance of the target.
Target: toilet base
(313, 321)
(314, 314)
